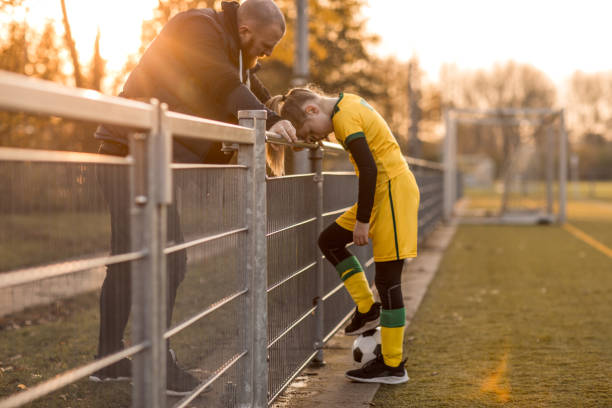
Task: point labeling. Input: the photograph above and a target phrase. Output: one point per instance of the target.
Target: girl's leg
(333, 241)
(393, 315)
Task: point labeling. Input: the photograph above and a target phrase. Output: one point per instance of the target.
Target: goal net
(509, 165)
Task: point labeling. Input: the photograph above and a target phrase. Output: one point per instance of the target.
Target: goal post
(512, 163)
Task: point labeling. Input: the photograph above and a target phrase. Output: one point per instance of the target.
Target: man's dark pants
(115, 297)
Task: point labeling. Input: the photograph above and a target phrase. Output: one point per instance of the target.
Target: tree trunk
(78, 78)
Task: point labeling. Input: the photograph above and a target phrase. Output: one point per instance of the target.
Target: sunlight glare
(120, 26)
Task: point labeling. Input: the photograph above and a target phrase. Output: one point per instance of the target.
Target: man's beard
(249, 60)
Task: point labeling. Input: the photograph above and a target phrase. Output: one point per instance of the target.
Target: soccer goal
(509, 165)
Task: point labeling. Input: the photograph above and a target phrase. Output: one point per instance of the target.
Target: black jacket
(193, 66)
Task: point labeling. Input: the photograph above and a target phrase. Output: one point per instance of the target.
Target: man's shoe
(178, 381)
(362, 322)
(120, 371)
(376, 371)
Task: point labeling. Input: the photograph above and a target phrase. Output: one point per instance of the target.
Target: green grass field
(517, 317)
(44, 341)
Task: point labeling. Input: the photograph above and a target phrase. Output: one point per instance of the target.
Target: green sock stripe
(350, 263)
(393, 317)
(349, 274)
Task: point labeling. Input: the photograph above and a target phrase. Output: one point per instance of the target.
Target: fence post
(149, 181)
(316, 163)
(562, 169)
(550, 170)
(450, 164)
(255, 384)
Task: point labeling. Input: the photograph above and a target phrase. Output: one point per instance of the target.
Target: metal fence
(256, 301)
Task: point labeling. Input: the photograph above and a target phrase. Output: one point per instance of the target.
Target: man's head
(261, 26)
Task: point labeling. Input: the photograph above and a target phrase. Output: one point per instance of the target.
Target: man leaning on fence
(202, 63)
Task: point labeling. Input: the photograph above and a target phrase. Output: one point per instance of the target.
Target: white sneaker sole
(381, 380)
(372, 324)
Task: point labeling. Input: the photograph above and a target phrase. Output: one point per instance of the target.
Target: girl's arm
(367, 177)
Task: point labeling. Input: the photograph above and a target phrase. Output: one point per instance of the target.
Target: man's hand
(285, 129)
(360, 233)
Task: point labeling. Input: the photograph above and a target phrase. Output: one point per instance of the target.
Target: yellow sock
(356, 284)
(392, 335)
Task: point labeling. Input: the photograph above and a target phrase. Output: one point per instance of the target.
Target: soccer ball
(366, 347)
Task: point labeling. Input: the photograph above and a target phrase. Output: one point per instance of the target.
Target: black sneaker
(362, 322)
(120, 371)
(178, 381)
(376, 371)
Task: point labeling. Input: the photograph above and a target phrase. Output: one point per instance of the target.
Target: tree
(9, 5)
(414, 98)
(589, 104)
(97, 66)
(78, 76)
(338, 42)
(508, 85)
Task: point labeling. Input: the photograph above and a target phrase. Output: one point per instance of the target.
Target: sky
(558, 37)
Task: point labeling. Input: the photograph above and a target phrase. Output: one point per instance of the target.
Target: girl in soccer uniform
(386, 211)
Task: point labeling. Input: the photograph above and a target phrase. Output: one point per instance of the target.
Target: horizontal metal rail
(206, 129)
(336, 211)
(279, 140)
(228, 364)
(30, 275)
(68, 378)
(341, 285)
(54, 156)
(194, 166)
(429, 202)
(507, 111)
(289, 176)
(331, 292)
(290, 277)
(337, 327)
(293, 325)
(292, 226)
(220, 303)
(369, 262)
(431, 187)
(339, 173)
(196, 242)
(334, 147)
(40, 97)
(424, 163)
(426, 219)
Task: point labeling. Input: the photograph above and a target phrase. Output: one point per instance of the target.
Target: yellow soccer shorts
(394, 219)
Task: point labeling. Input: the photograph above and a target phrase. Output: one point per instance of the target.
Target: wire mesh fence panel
(55, 244)
(289, 201)
(290, 354)
(292, 251)
(206, 247)
(339, 191)
(210, 201)
(58, 207)
(204, 350)
(292, 278)
(431, 189)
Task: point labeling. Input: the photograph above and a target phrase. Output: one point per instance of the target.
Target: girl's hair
(289, 107)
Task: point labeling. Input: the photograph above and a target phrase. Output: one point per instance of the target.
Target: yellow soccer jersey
(352, 118)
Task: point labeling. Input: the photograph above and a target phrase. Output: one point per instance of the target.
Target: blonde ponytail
(275, 156)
